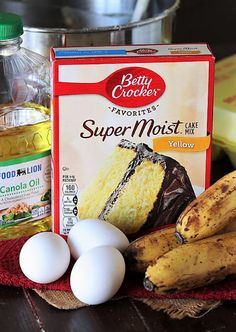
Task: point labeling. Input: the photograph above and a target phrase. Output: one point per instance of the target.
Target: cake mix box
(131, 133)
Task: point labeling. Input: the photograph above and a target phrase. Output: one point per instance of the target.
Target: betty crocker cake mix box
(131, 133)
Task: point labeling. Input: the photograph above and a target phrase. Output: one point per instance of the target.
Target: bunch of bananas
(199, 250)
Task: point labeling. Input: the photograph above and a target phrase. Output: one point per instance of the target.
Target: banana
(231, 227)
(146, 249)
(193, 265)
(210, 212)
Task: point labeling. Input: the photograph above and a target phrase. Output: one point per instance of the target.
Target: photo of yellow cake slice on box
(136, 189)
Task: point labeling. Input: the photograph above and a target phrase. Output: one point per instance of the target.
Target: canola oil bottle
(25, 165)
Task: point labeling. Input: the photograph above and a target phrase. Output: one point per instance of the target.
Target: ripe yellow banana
(210, 212)
(193, 265)
(146, 249)
(231, 227)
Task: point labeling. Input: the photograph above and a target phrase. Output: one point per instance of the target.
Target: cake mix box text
(131, 133)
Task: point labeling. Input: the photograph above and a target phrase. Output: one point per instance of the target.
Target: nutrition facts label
(69, 201)
(41, 210)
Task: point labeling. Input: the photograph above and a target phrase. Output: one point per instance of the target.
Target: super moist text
(140, 128)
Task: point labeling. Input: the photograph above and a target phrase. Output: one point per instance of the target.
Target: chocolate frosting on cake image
(137, 189)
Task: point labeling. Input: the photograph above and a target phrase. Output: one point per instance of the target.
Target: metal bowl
(93, 22)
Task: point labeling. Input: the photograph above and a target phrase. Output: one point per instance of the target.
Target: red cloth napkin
(10, 274)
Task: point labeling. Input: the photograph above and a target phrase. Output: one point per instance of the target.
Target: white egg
(90, 233)
(97, 275)
(44, 257)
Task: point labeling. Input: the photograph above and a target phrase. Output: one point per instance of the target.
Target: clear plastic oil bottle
(25, 164)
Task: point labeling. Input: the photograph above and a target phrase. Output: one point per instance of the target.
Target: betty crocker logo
(127, 87)
(144, 51)
(134, 87)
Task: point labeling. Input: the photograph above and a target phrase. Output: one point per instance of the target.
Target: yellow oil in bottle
(25, 170)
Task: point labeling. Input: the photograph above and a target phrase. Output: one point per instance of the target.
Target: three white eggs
(96, 246)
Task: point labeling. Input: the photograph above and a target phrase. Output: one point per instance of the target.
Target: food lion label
(160, 96)
(25, 189)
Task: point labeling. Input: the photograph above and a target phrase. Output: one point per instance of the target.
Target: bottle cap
(11, 26)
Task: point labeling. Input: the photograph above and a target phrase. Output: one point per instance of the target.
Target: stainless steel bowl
(93, 22)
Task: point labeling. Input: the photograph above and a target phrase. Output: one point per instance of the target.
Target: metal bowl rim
(150, 20)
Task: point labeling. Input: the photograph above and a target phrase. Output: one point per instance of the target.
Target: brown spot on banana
(224, 188)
